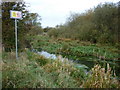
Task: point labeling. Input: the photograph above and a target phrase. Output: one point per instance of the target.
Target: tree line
(97, 25)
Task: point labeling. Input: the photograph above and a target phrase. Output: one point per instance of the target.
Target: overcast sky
(55, 12)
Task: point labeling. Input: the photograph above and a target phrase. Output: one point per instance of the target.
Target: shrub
(101, 79)
(53, 32)
(41, 60)
(25, 74)
(65, 50)
(67, 70)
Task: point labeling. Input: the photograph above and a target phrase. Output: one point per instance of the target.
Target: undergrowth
(34, 71)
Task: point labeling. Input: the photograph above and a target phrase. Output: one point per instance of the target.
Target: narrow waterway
(54, 57)
(85, 62)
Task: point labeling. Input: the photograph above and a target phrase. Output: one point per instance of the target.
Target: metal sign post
(16, 38)
(16, 15)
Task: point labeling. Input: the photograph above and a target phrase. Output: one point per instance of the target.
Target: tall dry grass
(101, 78)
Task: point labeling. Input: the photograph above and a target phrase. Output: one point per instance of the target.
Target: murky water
(47, 55)
(54, 57)
(87, 62)
(90, 61)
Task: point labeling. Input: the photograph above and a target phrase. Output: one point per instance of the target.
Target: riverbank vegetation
(89, 38)
(80, 52)
(38, 72)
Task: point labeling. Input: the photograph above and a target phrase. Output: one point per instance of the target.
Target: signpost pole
(16, 38)
(16, 15)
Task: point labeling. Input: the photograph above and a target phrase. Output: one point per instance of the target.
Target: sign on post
(16, 15)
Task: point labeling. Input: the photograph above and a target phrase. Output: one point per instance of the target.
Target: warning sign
(15, 14)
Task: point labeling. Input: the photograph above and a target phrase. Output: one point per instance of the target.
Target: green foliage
(65, 48)
(30, 55)
(54, 74)
(83, 52)
(7, 31)
(53, 32)
(37, 58)
(98, 25)
(66, 72)
(68, 47)
(25, 74)
(41, 60)
(29, 24)
(36, 74)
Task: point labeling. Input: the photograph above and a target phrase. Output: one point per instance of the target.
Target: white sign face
(15, 14)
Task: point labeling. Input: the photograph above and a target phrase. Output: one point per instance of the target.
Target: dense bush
(53, 33)
(98, 25)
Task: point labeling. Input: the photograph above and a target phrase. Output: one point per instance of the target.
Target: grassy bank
(34, 71)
